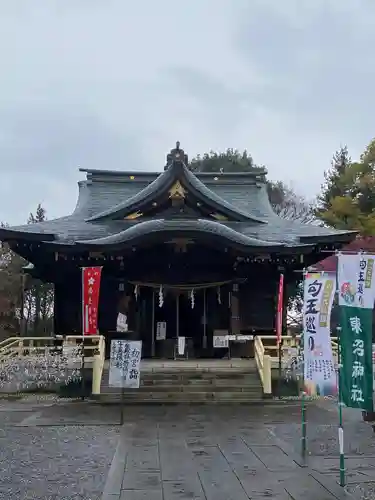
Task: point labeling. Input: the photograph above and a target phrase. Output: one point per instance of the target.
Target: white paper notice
(122, 323)
(161, 330)
(124, 364)
(181, 346)
(220, 341)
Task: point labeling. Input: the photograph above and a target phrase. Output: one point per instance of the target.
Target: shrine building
(183, 254)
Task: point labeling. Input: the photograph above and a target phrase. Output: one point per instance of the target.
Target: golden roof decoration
(177, 191)
(133, 216)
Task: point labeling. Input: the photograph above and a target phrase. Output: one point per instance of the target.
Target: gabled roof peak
(176, 170)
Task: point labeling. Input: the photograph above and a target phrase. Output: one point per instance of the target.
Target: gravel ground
(42, 457)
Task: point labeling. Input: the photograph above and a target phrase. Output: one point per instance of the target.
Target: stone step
(250, 382)
(185, 388)
(188, 384)
(179, 397)
(190, 375)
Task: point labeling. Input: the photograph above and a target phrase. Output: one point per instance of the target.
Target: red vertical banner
(279, 313)
(90, 299)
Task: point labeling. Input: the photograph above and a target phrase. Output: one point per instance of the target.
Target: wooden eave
(17, 236)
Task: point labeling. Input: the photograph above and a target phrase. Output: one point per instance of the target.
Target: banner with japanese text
(90, 299)
(319, 369)
(356, 301)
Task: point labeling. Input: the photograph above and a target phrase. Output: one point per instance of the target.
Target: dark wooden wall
(258, 305)
(67, 305)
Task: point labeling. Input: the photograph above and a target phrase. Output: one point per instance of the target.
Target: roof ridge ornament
(176, 155)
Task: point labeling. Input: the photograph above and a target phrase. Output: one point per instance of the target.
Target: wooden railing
(266, 353)
(263, 362)
(92, 353)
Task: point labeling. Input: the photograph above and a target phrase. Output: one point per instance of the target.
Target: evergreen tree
(39, 296)
(347, 200)
(334, 185)
(230, 161)
(285, 202)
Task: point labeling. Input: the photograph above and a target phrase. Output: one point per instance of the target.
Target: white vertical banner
(356, 280)
(319, 370)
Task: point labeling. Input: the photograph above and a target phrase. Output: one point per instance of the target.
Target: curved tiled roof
(241, 195)
(180, 226)
(178, 171)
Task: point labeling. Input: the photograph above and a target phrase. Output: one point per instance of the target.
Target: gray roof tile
(104, 191)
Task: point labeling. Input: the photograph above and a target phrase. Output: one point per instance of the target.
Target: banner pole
(83, 336)
(122, 404)
(303, 400)
(339, 384)
(279, 328)
(303, 426)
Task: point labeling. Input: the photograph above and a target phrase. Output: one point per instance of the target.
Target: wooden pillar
(108, 304)
(204, 319)
(153, 325)
(235, 310)
(57, 327)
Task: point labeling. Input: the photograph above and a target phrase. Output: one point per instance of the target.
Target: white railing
(92, 349)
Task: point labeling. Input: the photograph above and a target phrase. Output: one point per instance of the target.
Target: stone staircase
(208, 381)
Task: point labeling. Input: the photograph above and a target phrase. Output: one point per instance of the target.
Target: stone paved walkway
(67, 451)
(208, 453)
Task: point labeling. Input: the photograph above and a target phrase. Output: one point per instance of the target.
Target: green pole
(341, 429)
(339, 375)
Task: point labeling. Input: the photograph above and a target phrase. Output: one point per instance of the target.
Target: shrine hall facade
(198, 253)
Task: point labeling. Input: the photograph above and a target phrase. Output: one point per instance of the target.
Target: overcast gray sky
(113, 84)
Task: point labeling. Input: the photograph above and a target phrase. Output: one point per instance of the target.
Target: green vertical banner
(356, 300)
(356, 352)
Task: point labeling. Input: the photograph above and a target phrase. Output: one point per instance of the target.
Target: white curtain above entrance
(122, 323)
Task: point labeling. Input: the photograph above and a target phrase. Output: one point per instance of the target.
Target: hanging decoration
(161, 297)
(136, 292)
(192, 298)
(218, 295)
(186, 287)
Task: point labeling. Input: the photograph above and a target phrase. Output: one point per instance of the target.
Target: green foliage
(21, 292)
(11, 282)
(285, 202)
(347, 200)
(39, 216)
(334, 184)
(39, 296)
(230, 161)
